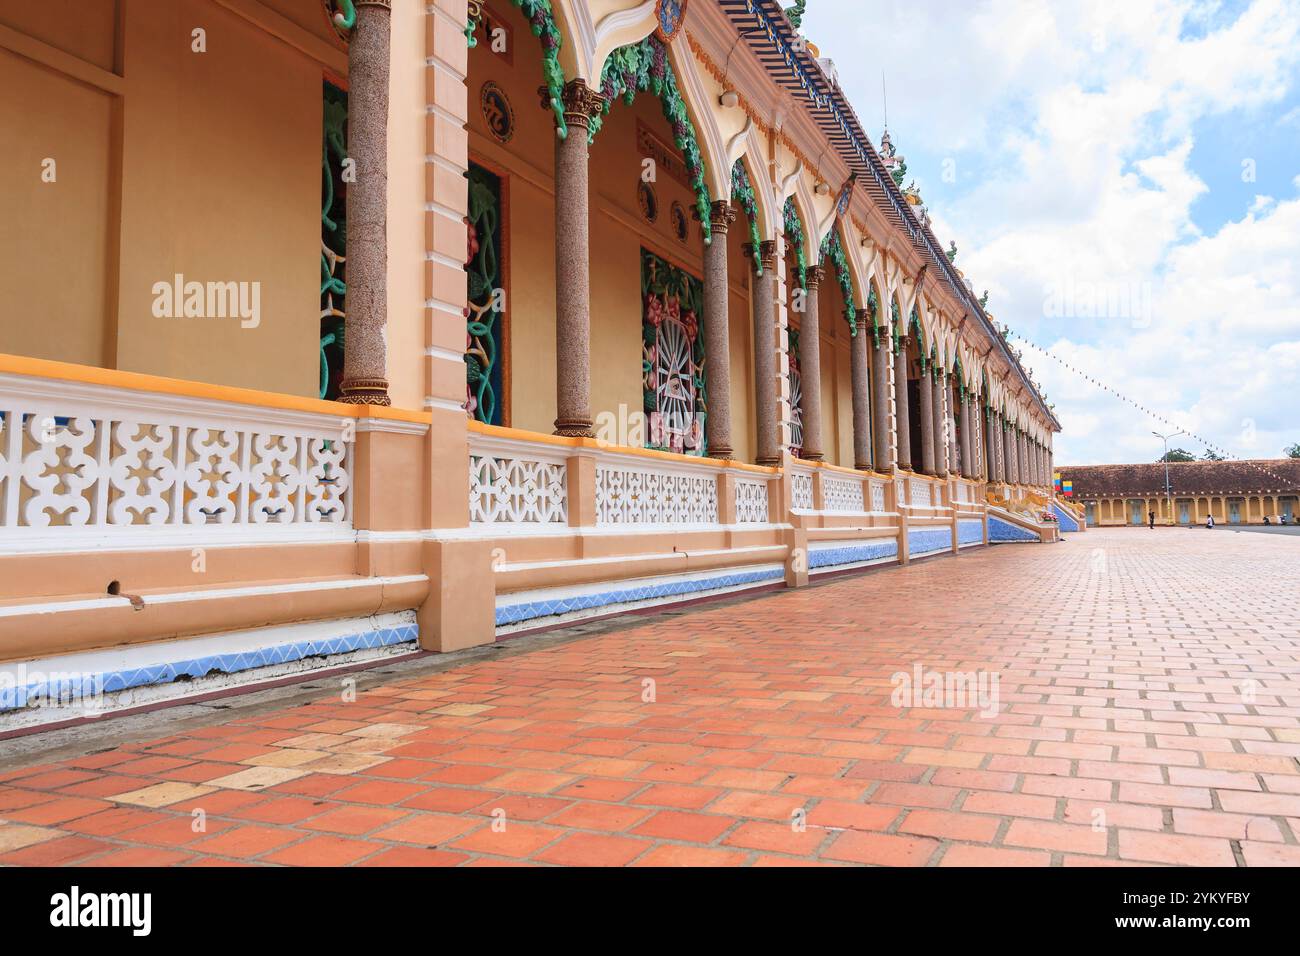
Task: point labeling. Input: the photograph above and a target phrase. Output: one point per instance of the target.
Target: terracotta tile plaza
(1128, 697)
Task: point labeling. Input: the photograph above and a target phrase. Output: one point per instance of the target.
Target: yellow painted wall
(54, 251)
(220, 181)
(211, 168)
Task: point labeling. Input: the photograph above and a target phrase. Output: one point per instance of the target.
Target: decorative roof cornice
(762, 24)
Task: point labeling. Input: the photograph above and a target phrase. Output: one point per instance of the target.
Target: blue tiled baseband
(1066, 520)
(928, 540)
(567, 604)
(970, 532)
(1004, 532)
(90, 685)
(832, 557)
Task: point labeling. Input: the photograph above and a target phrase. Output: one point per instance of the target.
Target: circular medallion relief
(669, 15)
(497, 112)
(681, 224)
(647, 201)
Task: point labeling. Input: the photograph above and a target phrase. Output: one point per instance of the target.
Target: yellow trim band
(141, 382)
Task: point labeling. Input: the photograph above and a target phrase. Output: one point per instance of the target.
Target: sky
(1123, 177)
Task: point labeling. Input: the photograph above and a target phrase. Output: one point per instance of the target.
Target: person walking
(1151, 520)
(1209, 520)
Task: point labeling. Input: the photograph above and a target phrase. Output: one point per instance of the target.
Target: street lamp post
(1169, 503)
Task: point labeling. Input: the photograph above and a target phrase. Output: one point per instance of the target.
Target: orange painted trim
(561, 441)
(141, 382)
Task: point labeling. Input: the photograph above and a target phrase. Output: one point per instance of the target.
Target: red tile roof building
(1237, 492)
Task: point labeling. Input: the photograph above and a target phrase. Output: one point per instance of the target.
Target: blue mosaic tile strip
(970, 531)
(68, 686)
(1004, 532)
(514, 613)
(928, 540)
(1067, 521)
(852, 554)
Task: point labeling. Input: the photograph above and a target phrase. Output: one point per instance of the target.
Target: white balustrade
(78, 459)
(877, 496)
(802, 490)
(633, 494)
(751, 501)
(843, 494)
(517, 490)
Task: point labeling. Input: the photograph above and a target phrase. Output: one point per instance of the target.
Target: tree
(1212, 455)
(1177, 454)
(1293, 451)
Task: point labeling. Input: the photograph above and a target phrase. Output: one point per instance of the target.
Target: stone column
(879, 346)
(937, 385)
(901, 414)
(927, 421)
(573, 264)
(765, 352)
(1009, 454)
(810, 368)
(967, 446)
(365, 357)
(950, 426)
(717, 346)
(863, 404)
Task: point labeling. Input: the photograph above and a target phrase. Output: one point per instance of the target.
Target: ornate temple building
(344, 327)
(1235, 492)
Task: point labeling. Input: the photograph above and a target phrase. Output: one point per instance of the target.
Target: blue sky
(1124, 178)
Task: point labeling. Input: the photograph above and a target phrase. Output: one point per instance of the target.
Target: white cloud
(1074, 128)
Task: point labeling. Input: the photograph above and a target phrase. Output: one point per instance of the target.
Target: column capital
(581, 103)
(767, 249)
(721, 215)
(814, 277)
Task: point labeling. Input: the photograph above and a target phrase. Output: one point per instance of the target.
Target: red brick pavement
(1149, 713)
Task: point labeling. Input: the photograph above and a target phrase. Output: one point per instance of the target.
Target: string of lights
(1092, 379)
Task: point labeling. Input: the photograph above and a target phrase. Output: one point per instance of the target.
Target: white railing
(751, 501)
(843, 494)
(632, 494)
(801, 484)
(877, 496)
(509, 490)
(116, 463)
(516, 482)
(920, 493)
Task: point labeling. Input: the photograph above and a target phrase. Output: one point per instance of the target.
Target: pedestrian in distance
(1151, 520)
(1209, 520)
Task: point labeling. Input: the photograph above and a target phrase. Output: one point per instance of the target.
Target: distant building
(1237, 492)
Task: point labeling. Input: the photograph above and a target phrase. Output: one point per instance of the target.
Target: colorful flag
(1068, 488)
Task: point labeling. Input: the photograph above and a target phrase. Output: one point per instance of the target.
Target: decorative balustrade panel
(843, 494)
(802, 491)
(920, 493)
(877, 496)
(638, 496)
(512, 490)
(751, 502)
(74, 462)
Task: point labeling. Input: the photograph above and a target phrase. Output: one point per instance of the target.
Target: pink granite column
(901, 414)
(573, 264)
(765, 351)
(967, 446)
(937, 384)
(1009, 454)
(862, 408)
(879, 386)
(717, 343)
(365, 355)
(810, 368)
(927, 421)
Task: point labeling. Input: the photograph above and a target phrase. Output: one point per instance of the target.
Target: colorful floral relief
(675, 397)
